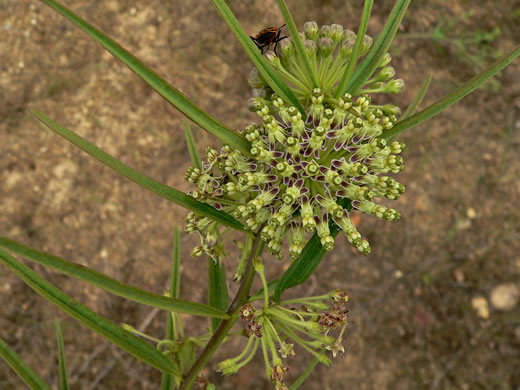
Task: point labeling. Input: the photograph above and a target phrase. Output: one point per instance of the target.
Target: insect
(267, 37)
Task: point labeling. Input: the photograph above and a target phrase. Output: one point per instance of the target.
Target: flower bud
(325, 46)
(286, 48)
(255, 80)
(349, 35)
(385, 74)
(325, 31)
(311, 30)
(366, 44)
(336, 32)
(273, 59)
(310, 47)
(347, 47)
(394, 86)
(385, 60)
(390, 109)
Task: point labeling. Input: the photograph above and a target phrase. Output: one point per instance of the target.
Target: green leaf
(87, 317)
(22, 370)
(162, 190)
(61, 359)
(367, 67)
(161, 86)
(367, 9)
(298, 44)
(311, 256)
(167, 380)
(265, 69)
(453, 96)
(175, 277)
(418, 98)
(107, 283)
(217, 291)
(192, 148)
(298, 382)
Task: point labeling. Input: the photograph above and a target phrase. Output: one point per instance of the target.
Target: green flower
(306, 171)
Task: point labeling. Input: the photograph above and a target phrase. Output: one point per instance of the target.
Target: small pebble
(480, 305)
(505, 296)
(471, 213)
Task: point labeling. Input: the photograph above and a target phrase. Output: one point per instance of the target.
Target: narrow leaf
(367, 67)
(175, 277)
(298, 44)
(418, 98)
(61, 357)
(112, 285)
(162, 190)
(167, 380)
(311, 256)
(192, 148)
(22, 370)
(367, 9)
(161, 86)
(217, 291)
(265, 69)
(87, 317)
(298, 382)
(453, 96)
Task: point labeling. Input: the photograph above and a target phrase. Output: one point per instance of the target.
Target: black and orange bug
(267, 37)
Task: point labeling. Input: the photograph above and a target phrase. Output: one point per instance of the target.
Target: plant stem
(226, 325)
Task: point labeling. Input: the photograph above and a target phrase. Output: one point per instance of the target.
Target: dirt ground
(413, 324)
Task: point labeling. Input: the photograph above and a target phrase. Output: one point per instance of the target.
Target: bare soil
(412, 324)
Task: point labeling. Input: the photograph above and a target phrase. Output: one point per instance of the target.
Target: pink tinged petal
(278, 154)
(337, 163)
(299, 183)
(218, 206)
(338, 145)
(307, 152)
(331, 134)
(275, 191)
(323, 169)
(304, 190)
(325, 217)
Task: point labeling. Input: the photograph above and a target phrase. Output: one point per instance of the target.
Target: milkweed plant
(322, 148)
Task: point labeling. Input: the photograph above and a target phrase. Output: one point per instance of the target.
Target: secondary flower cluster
(306, 169)
(277, 327)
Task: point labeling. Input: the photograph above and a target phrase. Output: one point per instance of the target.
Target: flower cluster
(278, 327)
(306, 169)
